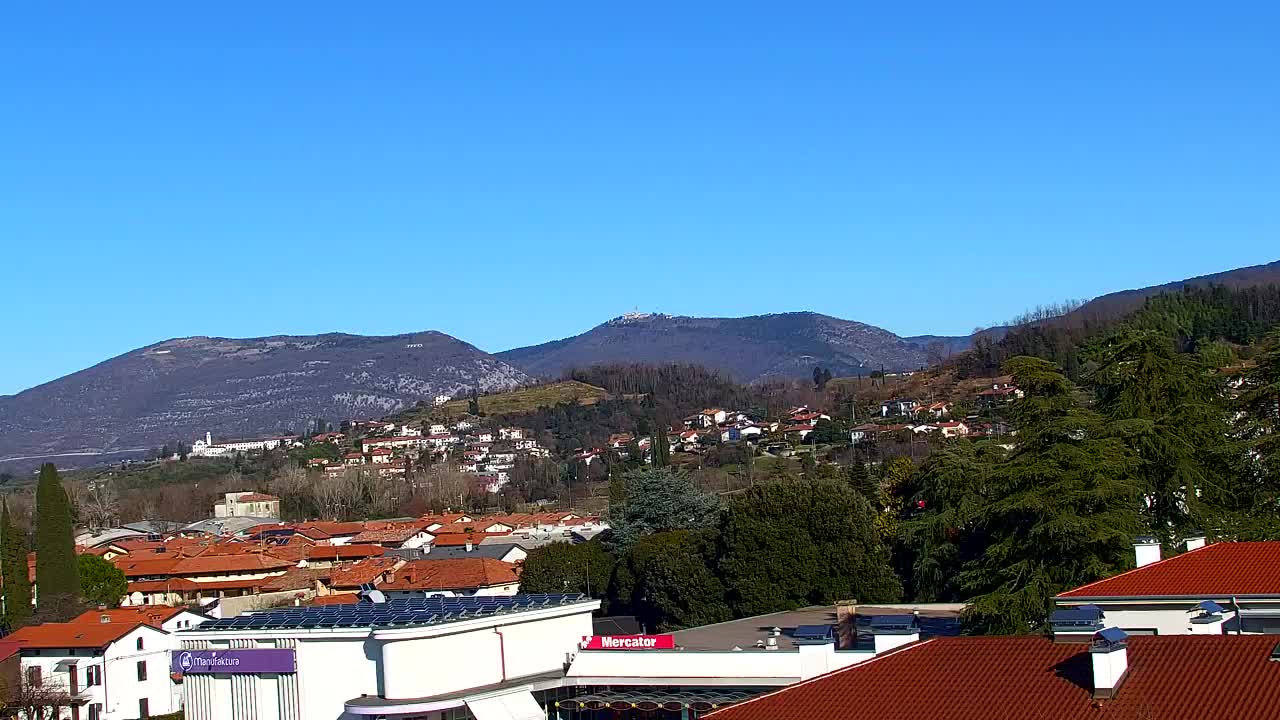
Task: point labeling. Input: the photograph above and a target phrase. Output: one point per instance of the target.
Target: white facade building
(111, 671)
(1226, 587)
(247, 504)
(360, 661)
(207, 448)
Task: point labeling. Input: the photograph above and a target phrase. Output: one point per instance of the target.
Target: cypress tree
(661, 447)
(57, 571)
(13, 570)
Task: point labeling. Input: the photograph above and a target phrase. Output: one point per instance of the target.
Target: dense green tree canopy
(101, 583)
(568, 567)
(791, 544)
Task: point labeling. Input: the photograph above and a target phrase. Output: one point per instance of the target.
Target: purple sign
(266, 660)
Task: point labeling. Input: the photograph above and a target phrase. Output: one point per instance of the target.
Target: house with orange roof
(109, 667)
(451, 578)
(1231, 587)
(373, 571)
(398, 535)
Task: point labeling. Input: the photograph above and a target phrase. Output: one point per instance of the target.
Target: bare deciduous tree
(36, 701)
(100, 506)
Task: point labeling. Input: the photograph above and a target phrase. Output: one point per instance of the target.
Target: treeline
(1149, 442)
(678, 557)
(1194, 317)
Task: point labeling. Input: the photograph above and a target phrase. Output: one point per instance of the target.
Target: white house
(108, 669)
(1172, 596)
(247, 504)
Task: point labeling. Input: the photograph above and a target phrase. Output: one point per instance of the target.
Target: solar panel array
(393, 613)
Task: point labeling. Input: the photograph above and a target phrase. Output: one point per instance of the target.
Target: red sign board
(629, 642)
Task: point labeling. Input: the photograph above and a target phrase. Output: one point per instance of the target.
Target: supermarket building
(522, 657)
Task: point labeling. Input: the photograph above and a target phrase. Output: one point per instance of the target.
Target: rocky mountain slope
(179, 389)
(748, 348)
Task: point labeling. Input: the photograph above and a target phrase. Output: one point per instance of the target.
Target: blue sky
(511, 173)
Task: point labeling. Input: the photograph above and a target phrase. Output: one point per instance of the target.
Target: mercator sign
(629, 642)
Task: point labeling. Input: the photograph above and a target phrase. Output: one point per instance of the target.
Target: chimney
(469, 546)
(846, 624)
(1195, 541)
(1146, 550)
(104, 618)
(1109, 654)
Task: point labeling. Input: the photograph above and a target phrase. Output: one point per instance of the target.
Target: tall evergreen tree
(661, 447)
(1168, 410)
(1257, 492)
(1063, 507)
(13, 571)
(57, 572)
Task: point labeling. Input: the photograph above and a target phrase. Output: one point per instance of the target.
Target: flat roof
(743, 633)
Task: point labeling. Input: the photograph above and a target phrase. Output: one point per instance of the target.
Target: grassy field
(532, 398)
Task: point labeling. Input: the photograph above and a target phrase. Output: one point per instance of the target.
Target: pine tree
(1062, 509)
(13, 570)
(860, 479)
(57, 572)
(1168, 410)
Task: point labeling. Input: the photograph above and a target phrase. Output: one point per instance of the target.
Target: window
(95, 711)
(142, 669)
(139, 643)
(33, 676)
(144, 708)
(93, 675)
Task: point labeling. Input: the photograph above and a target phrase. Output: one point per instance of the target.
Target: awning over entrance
(518, 705)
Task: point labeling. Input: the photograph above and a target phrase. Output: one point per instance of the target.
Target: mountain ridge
(182, 387)
(749, 348)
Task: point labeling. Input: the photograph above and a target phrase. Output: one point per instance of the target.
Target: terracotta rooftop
(166, 585)
(226, 564)
(361, 572)
(457, 574)
(1214, 571)
(343, 552)
(1171, 677)
(454, 538)
(153, 615)
(391, 534)
(72, 634)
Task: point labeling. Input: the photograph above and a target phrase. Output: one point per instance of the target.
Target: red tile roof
(1171, 677)
(1214, 571)
(320, 553)
(228, 564)
(166, 585)
(153, 615)
(388, 535)
(359, 573)
(72, 634)
(455, 539)
(257, 497)
(459, 574)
